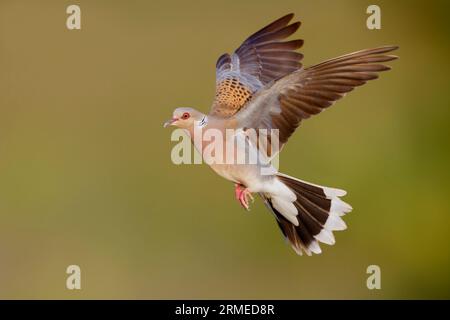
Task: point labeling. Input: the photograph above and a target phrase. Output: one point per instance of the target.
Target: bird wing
(262, 58)
(309, 91)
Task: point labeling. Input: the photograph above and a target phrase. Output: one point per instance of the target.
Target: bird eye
(185, 116)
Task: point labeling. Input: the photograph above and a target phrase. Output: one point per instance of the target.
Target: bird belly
(227, 171)
(251, 176)
(237, 159)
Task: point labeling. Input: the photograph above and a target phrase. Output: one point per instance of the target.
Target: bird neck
(202, 122)
(197, 128)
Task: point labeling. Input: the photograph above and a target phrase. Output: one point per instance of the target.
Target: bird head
(184, 118)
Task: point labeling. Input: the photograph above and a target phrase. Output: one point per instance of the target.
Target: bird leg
(243, 195)
(237, 190)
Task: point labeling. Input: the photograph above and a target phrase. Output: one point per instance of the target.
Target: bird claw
(243, 195)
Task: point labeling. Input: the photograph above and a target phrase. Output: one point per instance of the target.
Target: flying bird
(263, 85)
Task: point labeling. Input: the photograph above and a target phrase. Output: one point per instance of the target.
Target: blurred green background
(86, 176)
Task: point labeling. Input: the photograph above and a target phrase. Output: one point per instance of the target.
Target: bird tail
(319, 211)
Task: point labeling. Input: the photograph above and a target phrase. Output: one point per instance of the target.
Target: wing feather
(309, 91)
(262, 58)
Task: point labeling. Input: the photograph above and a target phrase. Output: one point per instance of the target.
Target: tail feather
(319, 212)
(298, 236)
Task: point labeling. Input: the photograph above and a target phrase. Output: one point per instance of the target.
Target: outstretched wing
(309, 91)
(262, 58)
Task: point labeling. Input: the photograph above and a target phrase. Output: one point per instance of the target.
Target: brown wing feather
(262, 58)
(309, 91)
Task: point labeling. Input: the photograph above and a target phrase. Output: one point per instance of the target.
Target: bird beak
(170, 122)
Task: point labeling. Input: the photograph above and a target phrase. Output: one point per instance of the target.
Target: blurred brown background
(86, 176)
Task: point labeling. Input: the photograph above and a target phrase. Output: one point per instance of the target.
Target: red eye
(185, 116)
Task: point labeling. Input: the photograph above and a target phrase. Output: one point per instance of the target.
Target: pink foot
(237, 190)
(243, 195)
